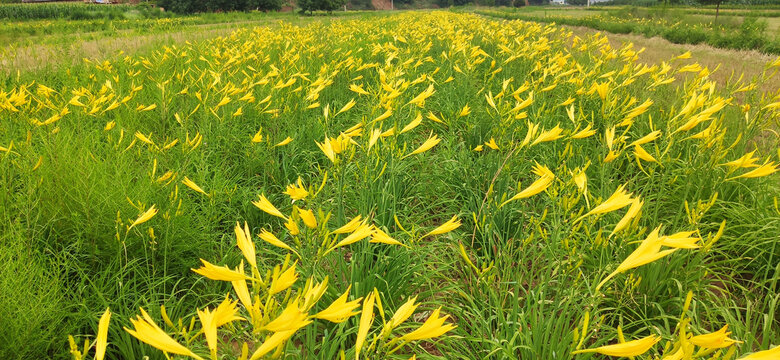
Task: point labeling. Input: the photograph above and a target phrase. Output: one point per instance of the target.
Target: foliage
(552, 194)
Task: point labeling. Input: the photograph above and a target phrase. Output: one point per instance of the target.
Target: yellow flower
(771, 354)
(366, 318)
(404, 312)
(281, 280)
(745, 161)
(308, 218)
(448, 226)
(549, 135)
(242, 292)
(626, 349)
(327, 149)
(272, 343)
(102, 335)
(292, 227)
(245, 244)
(537, 186)
(413, 124)
(265, 205)
(618, 200)
(492, 144)
(715, 340)
(380, 236)
(649, 250)
(363, 231)
(768, 168)
(358, 89)
(427, 145)
(465, 111)
(258, 137)
(219, 273)
(291, 318)
(147, 331)
(284, 142)
(146, 216)
(349, 226)
(431, 328)
(636, 206)
(642, 154)
(190, 184)
(340, 310)
(681, 240)
(346, 107)
(297, 191)
(584, 133)
(209, 330)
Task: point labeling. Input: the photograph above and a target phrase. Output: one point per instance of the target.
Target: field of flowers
(428, 185)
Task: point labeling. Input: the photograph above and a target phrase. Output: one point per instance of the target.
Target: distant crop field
(392, 185)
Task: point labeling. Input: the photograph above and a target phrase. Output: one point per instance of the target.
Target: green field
(384, 185)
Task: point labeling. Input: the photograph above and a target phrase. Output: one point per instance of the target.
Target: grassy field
(425, 185)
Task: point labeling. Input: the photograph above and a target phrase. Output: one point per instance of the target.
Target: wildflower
(413, 124)
(649, 250)
(431, 328)
(448, 226)
(768, 168)
(308, 218)
(770, 354)
(427, 145)
(258, 137)
(404, 312)
(147, 331)
(363, 231)
(619, 199)
(636, 206)
(340, 310)
(714, 340)
(297, 191)
(273, 240)
(219, 273)
(537, 186)
(584, 133)
(284, 142)
(266, 206)
(102, 335)
(379, 236)
(327, 149)
(349, 226)
(492, 144)
(465, 111)
(642, 154)
(280, 281)
(626, 349)
(192, 185)
(291, 318)
(549, 135)
(366, 318)
(146, 216)
(271, 343)
(245, 244)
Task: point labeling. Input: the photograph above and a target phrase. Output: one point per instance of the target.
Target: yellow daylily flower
(626, 349)
(448, 226)
(340, 309)
(145, 330)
